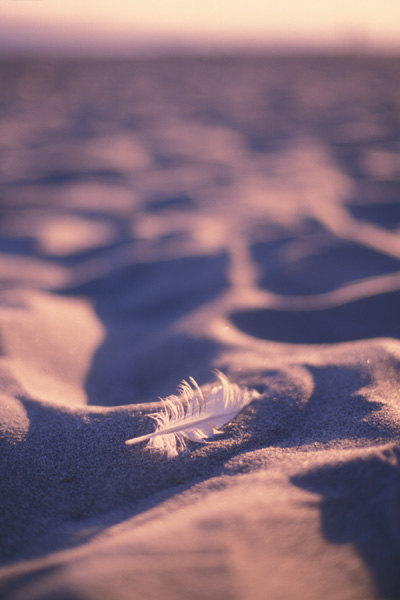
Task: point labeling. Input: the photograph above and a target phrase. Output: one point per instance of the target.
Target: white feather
(191, 416)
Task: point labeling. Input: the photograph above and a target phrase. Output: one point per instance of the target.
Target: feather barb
(191, 416)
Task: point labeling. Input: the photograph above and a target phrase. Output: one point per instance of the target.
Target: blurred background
(202, 174)
(123, 27)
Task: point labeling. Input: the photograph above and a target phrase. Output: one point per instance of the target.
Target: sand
(161, 219)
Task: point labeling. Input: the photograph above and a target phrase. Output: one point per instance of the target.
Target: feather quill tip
(192, 416)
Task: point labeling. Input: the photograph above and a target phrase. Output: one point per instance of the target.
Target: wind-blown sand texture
(164, 218)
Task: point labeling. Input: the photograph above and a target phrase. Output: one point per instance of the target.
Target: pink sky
(101, 23)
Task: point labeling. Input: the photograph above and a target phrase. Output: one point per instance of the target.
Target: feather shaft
(179, 426)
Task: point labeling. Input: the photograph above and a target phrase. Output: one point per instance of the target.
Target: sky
(116, 24)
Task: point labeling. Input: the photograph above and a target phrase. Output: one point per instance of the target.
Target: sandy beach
(165, 218)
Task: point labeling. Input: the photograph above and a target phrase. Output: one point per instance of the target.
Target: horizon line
(21, 39)
(200, 48)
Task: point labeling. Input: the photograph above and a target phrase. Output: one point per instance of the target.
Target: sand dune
(162, 219)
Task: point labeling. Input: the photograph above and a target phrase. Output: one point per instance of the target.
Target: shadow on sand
(360, 505)
(370, 317)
